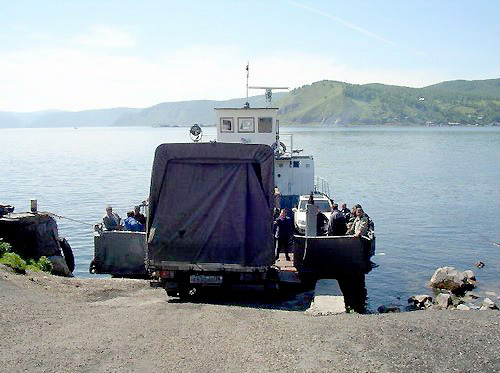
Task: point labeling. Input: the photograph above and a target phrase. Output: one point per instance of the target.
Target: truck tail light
(167, 274)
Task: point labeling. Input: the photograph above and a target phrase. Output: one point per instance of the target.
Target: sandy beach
(54, 324)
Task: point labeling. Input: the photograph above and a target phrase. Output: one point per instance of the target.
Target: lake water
(433, 193)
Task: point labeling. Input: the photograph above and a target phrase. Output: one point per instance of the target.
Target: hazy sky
(75, 55)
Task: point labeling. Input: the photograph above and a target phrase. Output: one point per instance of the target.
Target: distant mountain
(325, 102)
(331, 102)
(87, 118)
(185, 113)
(9, 120)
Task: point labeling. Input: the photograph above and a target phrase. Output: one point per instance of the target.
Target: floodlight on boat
(195, 133)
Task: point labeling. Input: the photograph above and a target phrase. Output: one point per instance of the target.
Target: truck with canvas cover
(210, 216)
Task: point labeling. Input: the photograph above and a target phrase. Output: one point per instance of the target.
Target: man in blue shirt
(131, 224)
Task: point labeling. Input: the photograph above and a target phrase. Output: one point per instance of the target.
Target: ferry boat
(123, 253)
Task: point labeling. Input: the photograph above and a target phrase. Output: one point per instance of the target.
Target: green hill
(325, 102)
(331, 102)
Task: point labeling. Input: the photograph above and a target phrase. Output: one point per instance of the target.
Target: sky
(78, 55)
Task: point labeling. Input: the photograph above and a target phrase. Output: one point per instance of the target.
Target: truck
(210, 216)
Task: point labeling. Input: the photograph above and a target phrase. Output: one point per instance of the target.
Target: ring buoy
(68, 254)
(282, 147)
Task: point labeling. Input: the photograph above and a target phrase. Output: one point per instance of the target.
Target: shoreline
(53, 323)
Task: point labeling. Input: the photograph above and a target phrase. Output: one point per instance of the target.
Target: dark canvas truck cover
(211, 203)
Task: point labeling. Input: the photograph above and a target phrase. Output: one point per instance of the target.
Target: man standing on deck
(112, 221)
(347, 213)
(360, 225)
(283, 233)
(337, 223)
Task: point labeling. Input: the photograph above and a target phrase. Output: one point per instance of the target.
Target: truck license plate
(205, 279)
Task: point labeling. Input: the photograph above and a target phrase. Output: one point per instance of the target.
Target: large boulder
(451, 279)
(33, 235)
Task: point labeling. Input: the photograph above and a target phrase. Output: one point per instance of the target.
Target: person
(321, 224)
(337, 222)
(138, 216)
(131, 224)
(360, 225)
(112, 221)
(283, 233)
(346, 212)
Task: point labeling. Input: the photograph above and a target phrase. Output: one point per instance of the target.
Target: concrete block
(328, 299)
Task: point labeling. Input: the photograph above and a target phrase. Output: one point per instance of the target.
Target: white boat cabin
(293, 173)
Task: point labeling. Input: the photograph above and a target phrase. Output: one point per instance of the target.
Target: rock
(391, 308)
(420, 301)
(443, 301)
(451, 279)
(479, 264)
(488, 303)
(463, 307)
(59, 266)
(428, 304)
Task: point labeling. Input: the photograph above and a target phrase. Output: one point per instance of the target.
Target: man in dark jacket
(345, 210)
(337, 223)
(284, 227)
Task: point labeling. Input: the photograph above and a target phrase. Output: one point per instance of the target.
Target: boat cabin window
(266, 125)
(246, 125)
(227, 124)
(296, 164)
(324, 206)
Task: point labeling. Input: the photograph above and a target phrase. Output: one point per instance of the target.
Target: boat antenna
(268, 94)
(247, 104)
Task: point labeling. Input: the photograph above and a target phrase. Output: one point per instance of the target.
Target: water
(434, 193)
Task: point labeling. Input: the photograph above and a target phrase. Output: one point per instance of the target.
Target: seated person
(360, 225)
(138, 216)
(337, 223)
(112, 221)
(131, 224)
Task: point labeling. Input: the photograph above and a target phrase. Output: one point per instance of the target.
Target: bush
(4, 247)
(43, 264)
(14, 261)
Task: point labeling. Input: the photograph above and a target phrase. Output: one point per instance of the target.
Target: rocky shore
(53, 324)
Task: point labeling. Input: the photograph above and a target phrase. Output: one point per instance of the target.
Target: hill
(325, 102)
(184, 113)
(331, 102)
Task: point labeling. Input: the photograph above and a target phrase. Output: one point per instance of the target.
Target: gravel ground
(53, 324)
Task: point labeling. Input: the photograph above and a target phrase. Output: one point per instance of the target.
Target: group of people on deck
(342, 222)
(135, 221)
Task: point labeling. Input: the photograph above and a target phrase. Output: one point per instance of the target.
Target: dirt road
(52, 324)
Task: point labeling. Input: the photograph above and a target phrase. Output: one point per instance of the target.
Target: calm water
(434, 194)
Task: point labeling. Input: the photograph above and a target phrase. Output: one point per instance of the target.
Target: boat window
(266, 125)
(246, 125)
(296, 164)
(323, 205)
(226, 125)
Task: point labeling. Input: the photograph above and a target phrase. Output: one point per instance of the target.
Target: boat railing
(287, 140)
(321, 186)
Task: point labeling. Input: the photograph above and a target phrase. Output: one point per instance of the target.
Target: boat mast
(247, 104)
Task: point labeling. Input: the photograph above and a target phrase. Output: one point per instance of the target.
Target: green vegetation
(14, 261)
(331, 102)
(18, 264)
